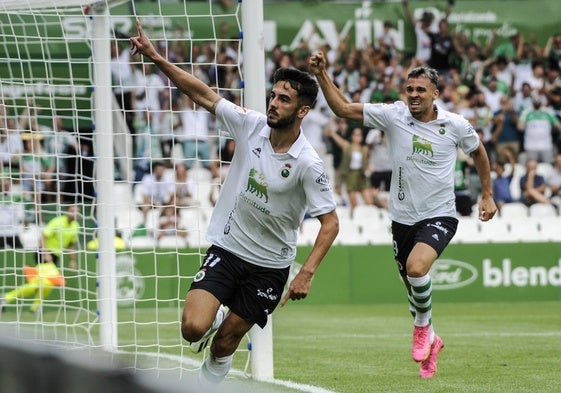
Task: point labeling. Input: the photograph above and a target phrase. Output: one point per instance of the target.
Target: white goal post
(102, 304)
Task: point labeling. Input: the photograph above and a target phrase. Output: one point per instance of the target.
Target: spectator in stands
(123, 86)
(37, 170)
(523, 99)
(504, 132)
(184, 186)
(490, 90)
(387, 91)
(61, 145)
(387, 39)
(443, 49)
(10, 223)
(538, 125)
(552, 49)
(423, 219)
(157, 189)
(554, 178)
(379, 172)
(169, 223)
(354, 167)
(59, 236)
(170, 126)
(253, 228)
(423, 31)
(533, 185)
(341, 127)
(314, 128)
(11, 147)
(502, 181)
(149, 88)
(196, 133)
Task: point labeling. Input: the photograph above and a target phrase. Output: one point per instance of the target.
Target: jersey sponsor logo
(400, 192)
(323, 180)
(451, 274)
(257, 152)
(257, 185)
(422, 146)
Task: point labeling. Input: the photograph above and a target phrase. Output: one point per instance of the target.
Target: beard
(282, 122)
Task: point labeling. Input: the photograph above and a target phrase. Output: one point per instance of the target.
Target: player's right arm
(336, 100)
(199, 92)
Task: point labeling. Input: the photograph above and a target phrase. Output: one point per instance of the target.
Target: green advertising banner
(348, 275)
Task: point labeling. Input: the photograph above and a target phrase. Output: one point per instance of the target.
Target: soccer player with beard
(275, 177)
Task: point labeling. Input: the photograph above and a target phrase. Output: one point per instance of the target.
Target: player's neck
(428, 116)
(282, 139)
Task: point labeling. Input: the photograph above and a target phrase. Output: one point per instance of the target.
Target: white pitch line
(196, 363)
(390, 335)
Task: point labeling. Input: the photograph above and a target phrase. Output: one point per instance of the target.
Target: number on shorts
(211, 260)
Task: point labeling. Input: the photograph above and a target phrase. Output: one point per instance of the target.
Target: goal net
(85, 124)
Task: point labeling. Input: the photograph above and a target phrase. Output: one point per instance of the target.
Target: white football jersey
(423, 159)
(265, 196)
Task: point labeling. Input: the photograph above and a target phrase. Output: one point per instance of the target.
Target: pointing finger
(285, 298)
(139, 28)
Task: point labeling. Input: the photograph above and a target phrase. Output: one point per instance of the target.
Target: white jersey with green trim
(266, 195)
(423, 159)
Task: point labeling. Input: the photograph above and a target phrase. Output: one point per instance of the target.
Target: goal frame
(253, 78)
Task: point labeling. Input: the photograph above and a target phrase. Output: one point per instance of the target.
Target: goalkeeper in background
(59, 235)
(274, 177)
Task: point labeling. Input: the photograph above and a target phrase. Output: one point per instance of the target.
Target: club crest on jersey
(442, 130)
(285, 172)
(422, 146)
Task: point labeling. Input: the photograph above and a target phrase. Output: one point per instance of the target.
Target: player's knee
(416, 269)
(192, 330)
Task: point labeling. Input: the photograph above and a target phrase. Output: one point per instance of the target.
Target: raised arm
(408, 12)
(198, 91)
(335, 98)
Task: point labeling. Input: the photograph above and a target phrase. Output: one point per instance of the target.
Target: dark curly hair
(305, 85)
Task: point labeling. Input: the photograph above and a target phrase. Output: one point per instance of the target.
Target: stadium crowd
(510, 91)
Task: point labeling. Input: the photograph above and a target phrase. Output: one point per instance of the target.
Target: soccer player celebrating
(275, 177)
(423, 141)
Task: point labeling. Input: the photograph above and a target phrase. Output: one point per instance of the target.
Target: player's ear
(303, 111)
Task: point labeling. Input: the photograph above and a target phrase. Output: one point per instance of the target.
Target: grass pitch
(489, 347)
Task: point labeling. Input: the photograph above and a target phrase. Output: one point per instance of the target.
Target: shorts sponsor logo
(268, 294)
(451, 274)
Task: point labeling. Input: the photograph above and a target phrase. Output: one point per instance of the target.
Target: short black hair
(424, 72)
(305, 85)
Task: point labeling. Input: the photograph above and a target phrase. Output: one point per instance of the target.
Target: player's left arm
(300, 285)
(487, 207)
